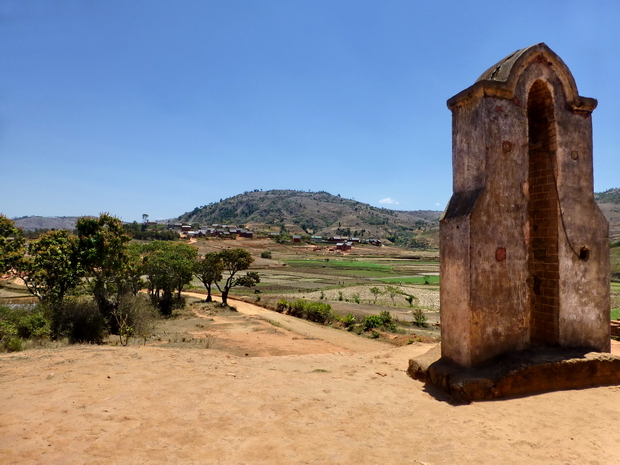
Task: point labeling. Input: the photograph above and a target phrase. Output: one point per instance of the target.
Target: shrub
(13, 344)
(419, 318)
(168, 302)
(382, 320)
(298, 308)
(81, 321)
(7, 330)
(387, 321)
(8, 333)
(282, 305)
(21, 322)
(266, 254)
(33, 326)
(135, 316)
(319, 312)
(370, 322)
(356, 298)
(348, 320)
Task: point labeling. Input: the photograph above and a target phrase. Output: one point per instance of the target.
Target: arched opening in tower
(543, 209)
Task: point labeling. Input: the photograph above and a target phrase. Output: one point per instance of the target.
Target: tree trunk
(209, 298)
(225, 297)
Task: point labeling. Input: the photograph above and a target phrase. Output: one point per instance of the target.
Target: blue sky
(151, 106)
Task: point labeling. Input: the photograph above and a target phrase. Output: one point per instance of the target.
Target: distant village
(225, 231)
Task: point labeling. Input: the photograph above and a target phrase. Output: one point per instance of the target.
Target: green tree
(392, 291)
(233, 261)
(131, 280)
(168, 266)
(282, 238)
(103, 253)
(375, 291)
(51, 270)
(11, 244)
(410, 298)
(209, 270)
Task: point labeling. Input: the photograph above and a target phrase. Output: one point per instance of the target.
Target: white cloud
(389, 201)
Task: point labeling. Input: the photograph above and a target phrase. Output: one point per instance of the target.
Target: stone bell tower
(524, 247)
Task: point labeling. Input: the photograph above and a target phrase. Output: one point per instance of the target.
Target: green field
(413, 280)
(615, 314)
(339, 264)
(411, 269)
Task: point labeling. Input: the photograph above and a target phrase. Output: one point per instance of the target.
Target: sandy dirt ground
(324, 399)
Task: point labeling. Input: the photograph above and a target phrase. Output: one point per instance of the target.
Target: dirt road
(136, 405)
(305, 328)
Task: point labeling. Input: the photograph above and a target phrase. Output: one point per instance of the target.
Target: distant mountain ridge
(321, 213)
(609, 203)
(608, 196)
(30, 223)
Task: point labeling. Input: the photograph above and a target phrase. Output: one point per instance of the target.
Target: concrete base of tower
(517, 374)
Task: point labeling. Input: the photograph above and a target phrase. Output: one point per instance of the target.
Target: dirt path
(136, 405)
(305, 328)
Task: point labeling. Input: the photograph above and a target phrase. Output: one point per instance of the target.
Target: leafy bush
(282, 305)
(33, 326)
(371, 322)
(8, 333)
(266, 254)
(13, 344)
(348, 320)
(298, 308)
(382, 320)
(81, 321)
(419, 318)
(19, 323)
(319, 312)
(135, 316)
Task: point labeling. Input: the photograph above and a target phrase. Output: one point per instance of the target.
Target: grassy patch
(413, 280)
(340, 264)
(359, 273)
(615, 314)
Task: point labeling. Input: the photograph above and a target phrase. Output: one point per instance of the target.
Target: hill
(31, 223)
(608, 202)
(319, 213)
(608, 196)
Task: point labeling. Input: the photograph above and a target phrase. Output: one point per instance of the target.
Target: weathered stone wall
(521, 215)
